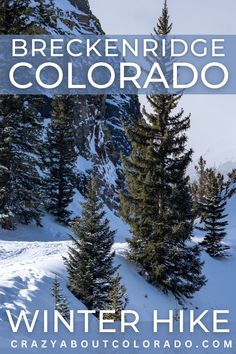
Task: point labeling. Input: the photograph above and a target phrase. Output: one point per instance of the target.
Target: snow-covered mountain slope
(31, 257)
(99, 130)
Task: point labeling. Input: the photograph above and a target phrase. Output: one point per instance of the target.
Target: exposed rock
(99, 130)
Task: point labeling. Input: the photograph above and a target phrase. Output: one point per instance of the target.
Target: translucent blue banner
(118, 64)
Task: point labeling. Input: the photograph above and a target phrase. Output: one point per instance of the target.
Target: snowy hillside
(99, 132)
(31, 257)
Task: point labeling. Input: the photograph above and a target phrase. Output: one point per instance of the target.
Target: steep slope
(28, 268)
(76, 17)
(99, 130)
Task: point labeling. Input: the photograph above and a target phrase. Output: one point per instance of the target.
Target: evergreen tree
(231, 184)
(61, 303)
(90, 259)
(118, 298)
(199, 187)
(61, 158)
(15, 17)
(213, 206)
(21, 198)
(20, 127)
(21, 17)
(157, 202)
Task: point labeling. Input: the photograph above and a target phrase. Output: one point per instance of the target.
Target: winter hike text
(187, 321)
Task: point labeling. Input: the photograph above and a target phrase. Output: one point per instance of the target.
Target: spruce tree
(213, 206)
(231, 184)
(157, 202)
(24, 17)
(21, 198)
(21, 126)
(118, 298)
(61, 303)
(199, 187)
(61, 158)
(90, 259)
(15, 17)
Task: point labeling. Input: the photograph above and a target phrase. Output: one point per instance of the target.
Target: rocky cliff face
(99, 130)
(76, 17)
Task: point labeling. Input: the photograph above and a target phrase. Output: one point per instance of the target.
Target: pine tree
(231, 184)
(213, 206)
(20, 129)
(21, 17)
(90, 260)
(118, 297)
(15, 17)
(157, 202)
(61, 303)
(199, 187)
(61, 158)
(21, 198)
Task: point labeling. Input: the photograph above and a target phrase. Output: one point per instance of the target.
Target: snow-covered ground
(31, 257)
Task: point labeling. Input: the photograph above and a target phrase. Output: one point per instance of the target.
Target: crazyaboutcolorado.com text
(121, 344)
